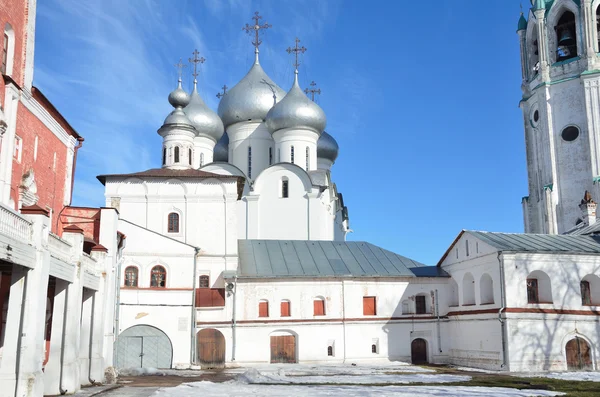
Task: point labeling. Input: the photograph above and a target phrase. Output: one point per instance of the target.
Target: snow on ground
(362, 368)
(581, 376)
(237, 389)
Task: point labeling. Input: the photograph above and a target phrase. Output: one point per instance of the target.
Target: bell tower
(561, 110)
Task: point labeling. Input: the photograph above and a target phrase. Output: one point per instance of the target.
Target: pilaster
(543, 44)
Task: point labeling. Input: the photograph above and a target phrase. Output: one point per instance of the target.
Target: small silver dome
(221, 150)
(251, 98)
(178, 99)
(327, 147)
(296, 111)
(206, 122)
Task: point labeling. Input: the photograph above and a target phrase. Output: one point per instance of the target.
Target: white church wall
(254, 135)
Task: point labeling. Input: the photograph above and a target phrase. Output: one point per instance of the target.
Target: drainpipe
(20, 339)
(437, 311)
(79, 145)
(117, 311)
(62, 343)
(193, 313)
(92, 381)
(233, 320)
(503, 303)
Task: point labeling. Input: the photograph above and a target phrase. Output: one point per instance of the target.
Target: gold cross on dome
(180, 67)
(220, 95)
(296, 50)
(196, 61)
(313, 90)
(255, 29)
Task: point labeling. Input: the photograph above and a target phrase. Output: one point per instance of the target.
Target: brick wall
(15, 12)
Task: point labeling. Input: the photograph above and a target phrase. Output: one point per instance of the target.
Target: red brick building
(38, 146)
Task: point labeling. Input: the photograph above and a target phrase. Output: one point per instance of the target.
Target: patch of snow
(282, 378)
(237, 389)
(140, 372)
(339, 369)
(578, 376)
(484, 371)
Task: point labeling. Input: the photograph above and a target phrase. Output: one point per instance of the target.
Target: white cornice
(45, 117)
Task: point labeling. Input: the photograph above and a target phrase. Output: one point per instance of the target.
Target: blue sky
(423, 99)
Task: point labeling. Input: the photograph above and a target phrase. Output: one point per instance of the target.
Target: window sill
(486, 304)
(452, 305)
(470, 304)
(540, 303)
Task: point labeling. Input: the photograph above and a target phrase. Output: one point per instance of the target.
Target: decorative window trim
(136, 280)
(204, 281)
(174, 222)
(158, 277)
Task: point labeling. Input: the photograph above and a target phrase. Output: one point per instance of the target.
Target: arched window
(249, 162)
(131, 276)
(307, 158)
(566, 37)
(8, 50)
(319, 306)
(533, 52)
(539, 289)
(201, 159)
(158, 277)
(285, 308)
(330, 351)
(279, 155)
(203, 282)
(270, 155)
(190, 156)
(164, 155)
(590, 290)
(177, 154)
(468, 290)
(173, 223)
(486, 290)
(453, 293)
(292, 155)
(285, 187)
(263, 308)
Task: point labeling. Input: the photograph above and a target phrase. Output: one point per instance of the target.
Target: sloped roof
(583, 229)
(300, 258)
(168, 173)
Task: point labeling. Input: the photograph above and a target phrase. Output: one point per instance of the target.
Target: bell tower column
(540, 15)
(589, 32)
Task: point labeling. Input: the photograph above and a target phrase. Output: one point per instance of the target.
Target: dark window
(164, 156)
(249, 162)
(369, 308)
(285, 309)
(173, 222)
(421, 304)
(177, 154)
(569, 134)
(190, 157)
(263, 309)
(586, 296)
(203, 282)
(536, 116)
(270, 155)
(373, 348)
(201, 159)
(330, 351)
(307, 158)
(566, 37)
(4, 54)
(131, 276)
(292, 155)
(532, 291)
(319, 307)
(158, 277)
(284, 188)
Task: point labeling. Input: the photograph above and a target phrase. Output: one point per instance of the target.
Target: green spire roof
(539, 5)
(522, 23)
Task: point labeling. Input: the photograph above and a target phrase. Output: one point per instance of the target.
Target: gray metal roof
(583, 229)
(299, 258)
(528, 242)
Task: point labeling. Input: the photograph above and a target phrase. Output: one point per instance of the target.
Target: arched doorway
(283, 348)
(211, 348)
(143, 346)
(579, 355)
(418, 351)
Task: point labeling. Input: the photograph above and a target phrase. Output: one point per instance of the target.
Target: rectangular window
(292, 155)
(203, 282)
(263, 309)
(467, 247)
(319, 307)
(270, 156)
(285, 309)
(284, 189)
(369, 308)
(18, 148)
(586, 296)
(249, 162)
(375, 346)
(4, 55)
(420, 304)
(532, 291)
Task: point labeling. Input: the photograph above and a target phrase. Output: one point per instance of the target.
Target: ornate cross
(255, 29)
(220, 95)
(313, 90)
(196, 61)
(296, 50)
(180, 67)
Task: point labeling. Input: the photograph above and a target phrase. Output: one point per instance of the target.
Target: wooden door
(418, 351)
(578, 354)
(283, 349)
(211, 348)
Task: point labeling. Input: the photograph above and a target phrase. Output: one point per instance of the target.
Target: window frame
(319, 303)
(292, 157)
(4, 63)
(263, 308)
(368, 302)
(173, 225)
(533, 290)
(285, 188)
(586, 292)
(418, 306)
(204, 281)
(250, 162)
(288, 306)
(131, 270)
(176, 155)
(158, 270)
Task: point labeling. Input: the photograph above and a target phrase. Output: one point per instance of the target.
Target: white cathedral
(235, 249)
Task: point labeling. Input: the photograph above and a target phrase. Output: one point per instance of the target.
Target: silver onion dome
(178, 99)
(296, 111)
(206, 122)
(221, 150)
(251, 98)
(327, 147)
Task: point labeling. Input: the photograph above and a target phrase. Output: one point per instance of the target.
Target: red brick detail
(15, 12)
(85, 218)
(72, 229)
(99, 247)
(34, 210)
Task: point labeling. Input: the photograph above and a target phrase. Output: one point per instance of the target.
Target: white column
(52, 373)
(203, 151)
(543, 44)
(85, 335)
(11, 101)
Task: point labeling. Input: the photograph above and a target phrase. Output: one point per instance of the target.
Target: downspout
(344, 319)
(503, 303)
(193, 313)
(20, 339)
(117, 311)
(437, 311)
(62, 343)
(233, 320)
(79, 145)
(92, 381)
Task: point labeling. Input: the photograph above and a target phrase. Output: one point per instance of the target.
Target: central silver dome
(296, 111)
(206, 122)
(251, 98)
(327, 147)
